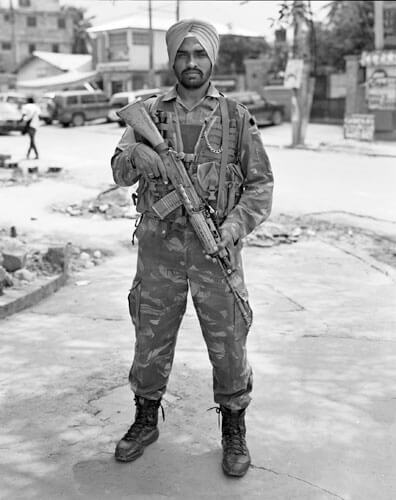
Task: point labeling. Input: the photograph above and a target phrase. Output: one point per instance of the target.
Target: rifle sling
(225, 119)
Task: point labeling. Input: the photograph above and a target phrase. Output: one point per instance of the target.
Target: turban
(205, 33)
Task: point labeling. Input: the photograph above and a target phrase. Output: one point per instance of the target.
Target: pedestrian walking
(31, 115)
(223, 154)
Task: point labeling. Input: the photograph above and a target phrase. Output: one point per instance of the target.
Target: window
(72, 99)
(32, 47)
(62, 23)
(24, 3)
(7, 18)
(140, 38)
(88, 99)
(6, 45)
(118, 48)
(55, 47)
(31, 21)
(101, 98)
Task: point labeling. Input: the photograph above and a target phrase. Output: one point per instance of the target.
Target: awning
(68, 79)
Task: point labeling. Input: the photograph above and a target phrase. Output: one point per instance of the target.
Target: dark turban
(204, 32)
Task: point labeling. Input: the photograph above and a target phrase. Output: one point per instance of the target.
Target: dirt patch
(286, 229)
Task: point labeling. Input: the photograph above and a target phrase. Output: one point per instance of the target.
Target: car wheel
(78, 120)
(65, 124)
(277, 118)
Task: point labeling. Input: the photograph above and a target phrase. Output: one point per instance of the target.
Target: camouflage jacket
(249, 180)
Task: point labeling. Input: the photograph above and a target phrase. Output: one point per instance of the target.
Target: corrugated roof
(65, 62)
(163, 25)
(58, 81)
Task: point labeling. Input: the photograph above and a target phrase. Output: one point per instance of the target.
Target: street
(322, 420)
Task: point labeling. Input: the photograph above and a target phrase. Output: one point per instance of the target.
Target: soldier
(225, 158)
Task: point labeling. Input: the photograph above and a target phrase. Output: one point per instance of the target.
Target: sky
(254, 16)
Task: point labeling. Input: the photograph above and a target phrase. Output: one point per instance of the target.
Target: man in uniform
(224, 156)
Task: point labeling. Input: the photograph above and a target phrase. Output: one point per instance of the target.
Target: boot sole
(138, 453)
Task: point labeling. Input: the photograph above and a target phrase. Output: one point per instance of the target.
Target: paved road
(322, 422)
(306, 181)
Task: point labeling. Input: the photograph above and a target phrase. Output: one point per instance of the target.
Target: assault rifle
(200, 214)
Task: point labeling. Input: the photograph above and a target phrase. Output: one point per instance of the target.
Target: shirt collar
(172, 93)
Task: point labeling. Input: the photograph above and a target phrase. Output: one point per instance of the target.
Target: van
(78, 106)
(121, 99)
(16, 98)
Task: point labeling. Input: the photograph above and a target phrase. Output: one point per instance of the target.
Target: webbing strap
(225, 122)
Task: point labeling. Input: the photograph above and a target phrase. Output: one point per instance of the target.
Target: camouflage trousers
(170, 260)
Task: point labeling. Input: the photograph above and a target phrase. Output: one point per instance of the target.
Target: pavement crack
(291, 476)
(276, 290)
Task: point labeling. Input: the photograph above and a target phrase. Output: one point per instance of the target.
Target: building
(30, 25)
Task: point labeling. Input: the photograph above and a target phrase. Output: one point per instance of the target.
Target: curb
(332, 149)
(37, 293)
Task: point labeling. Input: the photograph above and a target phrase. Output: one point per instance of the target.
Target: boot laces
(144, 418)
(233, 432)
(233, 435)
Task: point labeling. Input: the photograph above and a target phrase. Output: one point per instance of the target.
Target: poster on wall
(381, 90)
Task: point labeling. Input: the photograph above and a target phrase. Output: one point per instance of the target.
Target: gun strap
(225, 122)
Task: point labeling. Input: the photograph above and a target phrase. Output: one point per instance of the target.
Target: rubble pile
(113, 203)
(22, 262)
(270, 234)
(16, 175)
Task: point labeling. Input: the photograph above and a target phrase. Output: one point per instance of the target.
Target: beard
(193, 79)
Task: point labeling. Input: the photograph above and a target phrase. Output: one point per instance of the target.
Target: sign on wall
(359, 126)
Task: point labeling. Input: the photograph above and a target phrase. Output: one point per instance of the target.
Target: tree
(81, 39)
(235, 49)
(349, 30)
(297, 15)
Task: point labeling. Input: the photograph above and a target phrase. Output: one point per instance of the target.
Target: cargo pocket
(134, 301)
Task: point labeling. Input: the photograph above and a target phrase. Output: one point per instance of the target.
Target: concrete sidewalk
(322, 137)
(321, 424)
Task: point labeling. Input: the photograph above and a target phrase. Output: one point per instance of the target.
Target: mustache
(191, 70)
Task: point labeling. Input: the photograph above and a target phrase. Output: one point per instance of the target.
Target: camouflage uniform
(170, 257)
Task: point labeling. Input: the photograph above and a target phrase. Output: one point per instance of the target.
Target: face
(192, 65)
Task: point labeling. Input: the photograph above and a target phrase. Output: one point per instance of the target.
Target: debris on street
(23, 261)
(112, 203)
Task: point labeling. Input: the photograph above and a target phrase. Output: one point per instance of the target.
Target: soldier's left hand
(226, 241)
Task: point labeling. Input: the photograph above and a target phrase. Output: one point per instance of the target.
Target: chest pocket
(207, 183)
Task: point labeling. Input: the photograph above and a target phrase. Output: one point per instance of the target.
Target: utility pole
(13, 38)
(151, 46)
(177, 10)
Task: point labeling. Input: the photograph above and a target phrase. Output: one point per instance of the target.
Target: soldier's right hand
(148, 162)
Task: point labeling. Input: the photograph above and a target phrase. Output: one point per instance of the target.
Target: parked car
(265, 112)
(121, 99)
(47, 107)
(10, 118)
(16, 98)
(78, 106)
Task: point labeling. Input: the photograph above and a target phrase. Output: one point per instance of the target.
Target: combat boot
(142, 432)
(236, 457)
